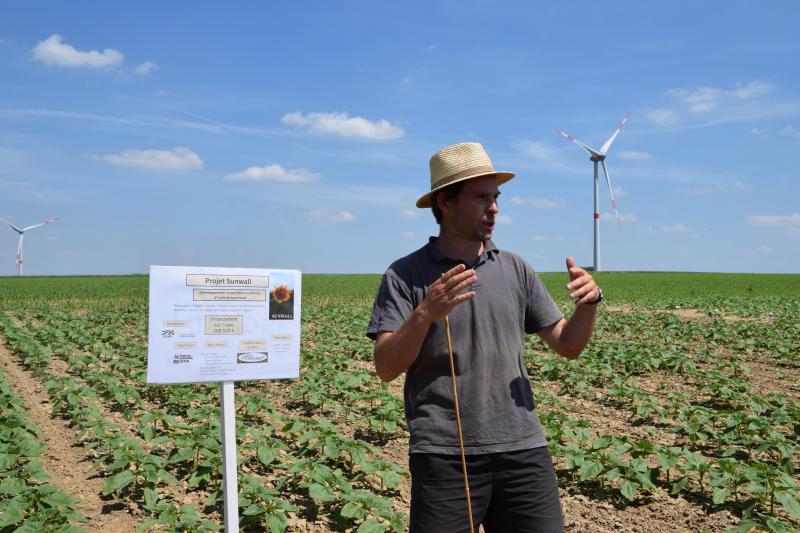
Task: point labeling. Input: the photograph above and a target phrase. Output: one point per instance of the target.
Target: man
(492, 298)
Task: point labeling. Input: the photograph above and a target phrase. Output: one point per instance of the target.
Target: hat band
(483, 169)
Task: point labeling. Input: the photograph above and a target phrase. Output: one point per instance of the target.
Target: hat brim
(502, 177)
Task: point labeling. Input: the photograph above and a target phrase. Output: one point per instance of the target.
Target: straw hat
(459, 162)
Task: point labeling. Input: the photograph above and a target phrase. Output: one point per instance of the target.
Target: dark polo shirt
(488, 336)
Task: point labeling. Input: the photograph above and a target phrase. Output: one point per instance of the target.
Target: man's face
(472, 214)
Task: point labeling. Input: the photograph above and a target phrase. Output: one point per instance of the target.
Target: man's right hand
(447, 292)
(395, 351)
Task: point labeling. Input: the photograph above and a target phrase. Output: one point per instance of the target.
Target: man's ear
(442, 201)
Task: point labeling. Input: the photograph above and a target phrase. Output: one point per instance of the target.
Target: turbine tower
(599, 156)
(21, 232)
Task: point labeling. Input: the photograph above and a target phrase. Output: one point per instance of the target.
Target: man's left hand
(581, 284)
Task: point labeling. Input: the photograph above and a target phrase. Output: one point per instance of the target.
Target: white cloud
(331, 217)
(274, 173)
(787, 131)
(675, 229)
(791, 223)
(210, 125)
(408, 235)
(619, 192)
(704, 99)
(624, 217)
(763, 249)
(752, 89)
(503, 219)
(408, 214)
(663, 117)
(53, 51)
(790, 131)
(180, 158)
(547, 238)
(539, 150)
(700, 100)
(630, 154)
(162, 92)
(406, 80)
(145, 68)
(738, 185)
(774, 220)
(539, 203)
(343, 125)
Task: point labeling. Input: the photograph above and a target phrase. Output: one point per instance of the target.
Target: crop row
(751, 437)
(28, 503)
(295, 456)
(78, 405)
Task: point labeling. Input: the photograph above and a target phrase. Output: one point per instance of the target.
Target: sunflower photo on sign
(281, 298)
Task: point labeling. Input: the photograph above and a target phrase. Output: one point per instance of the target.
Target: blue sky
(297, 135)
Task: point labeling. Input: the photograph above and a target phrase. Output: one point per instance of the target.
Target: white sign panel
(223, 324)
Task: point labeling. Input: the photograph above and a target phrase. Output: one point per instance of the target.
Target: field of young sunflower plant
(683, 414)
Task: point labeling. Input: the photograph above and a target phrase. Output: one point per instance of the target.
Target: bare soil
(69, 467)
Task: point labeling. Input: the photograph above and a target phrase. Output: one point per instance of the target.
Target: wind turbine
(599, 156)
(21, 236)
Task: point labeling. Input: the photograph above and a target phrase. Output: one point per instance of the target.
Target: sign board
(223, 324)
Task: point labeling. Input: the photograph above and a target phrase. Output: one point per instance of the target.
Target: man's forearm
(578, 330)
(396, 351)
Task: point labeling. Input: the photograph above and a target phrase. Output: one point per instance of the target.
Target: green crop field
(682, 414)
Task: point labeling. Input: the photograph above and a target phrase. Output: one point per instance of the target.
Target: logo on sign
(251, 357)
(181, 358)
(167, 333)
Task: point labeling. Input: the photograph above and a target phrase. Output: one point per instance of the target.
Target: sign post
(230, 470)
(221, 325)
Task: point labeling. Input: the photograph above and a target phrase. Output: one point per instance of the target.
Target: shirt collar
(489, 249)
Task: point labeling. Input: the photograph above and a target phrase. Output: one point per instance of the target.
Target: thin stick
(458, 423)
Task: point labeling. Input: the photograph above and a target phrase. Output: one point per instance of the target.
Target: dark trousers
(511, 492)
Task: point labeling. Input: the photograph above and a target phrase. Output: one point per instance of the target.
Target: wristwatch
(599, 297)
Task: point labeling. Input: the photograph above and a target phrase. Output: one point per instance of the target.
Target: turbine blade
(607, 144)
(591, 151)
(48, 221)
(12, 225)
(611, 192)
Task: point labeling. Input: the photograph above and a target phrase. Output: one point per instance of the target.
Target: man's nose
(494, 208)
